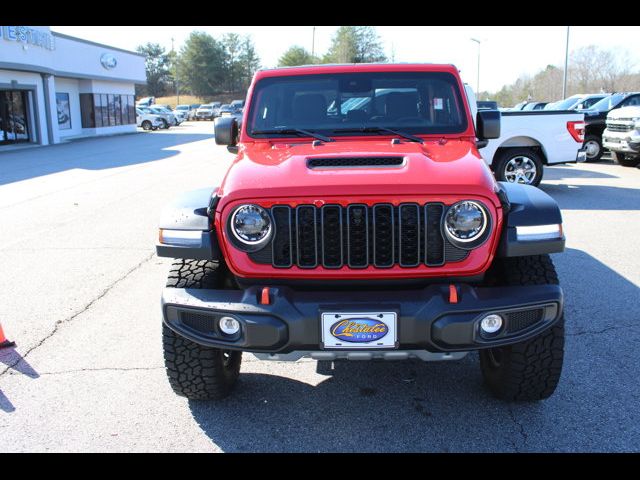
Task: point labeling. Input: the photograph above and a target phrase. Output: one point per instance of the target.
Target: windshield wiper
(290, 130)
(408, 136)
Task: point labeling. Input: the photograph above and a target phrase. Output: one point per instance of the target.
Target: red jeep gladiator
(358, 221)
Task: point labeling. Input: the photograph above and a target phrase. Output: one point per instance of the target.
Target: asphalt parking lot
(79, 293)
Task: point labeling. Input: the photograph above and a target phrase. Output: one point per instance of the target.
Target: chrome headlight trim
(249, 245)
(478, 238)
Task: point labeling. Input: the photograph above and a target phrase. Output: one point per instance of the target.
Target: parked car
(622, 135)
(238, 104)
(164, 117)
(205, 112)
(146, 101)
(565, 104)
(185, 110)
(533, 106)
(369, 234)
(588, 101)
(531, 140)
(595, 120)
(148, 121)
(181, 115)
(166, 114)
(216, 109)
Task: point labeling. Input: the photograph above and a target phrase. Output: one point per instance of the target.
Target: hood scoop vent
(355, 162)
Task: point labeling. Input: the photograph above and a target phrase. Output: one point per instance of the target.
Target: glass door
(14, 127)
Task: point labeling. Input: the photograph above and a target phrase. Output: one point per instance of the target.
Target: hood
(272, 170)
(625, 112)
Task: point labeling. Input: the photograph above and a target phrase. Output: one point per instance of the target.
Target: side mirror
(487, 125)
(226, 130)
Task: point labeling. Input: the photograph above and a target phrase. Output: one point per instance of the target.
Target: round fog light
(229, 325)
(491, 323)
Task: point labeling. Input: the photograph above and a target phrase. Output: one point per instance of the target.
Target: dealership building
(54, 87)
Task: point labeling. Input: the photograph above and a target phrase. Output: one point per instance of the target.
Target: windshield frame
(464, 128)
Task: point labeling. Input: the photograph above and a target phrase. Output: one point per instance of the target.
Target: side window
(632, 101)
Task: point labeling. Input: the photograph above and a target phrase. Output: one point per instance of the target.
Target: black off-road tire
(596, 139)
(526, 371)
(195, 371)
(625, 159)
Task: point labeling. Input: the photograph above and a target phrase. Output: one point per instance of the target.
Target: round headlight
(465, 221)
(251, 224)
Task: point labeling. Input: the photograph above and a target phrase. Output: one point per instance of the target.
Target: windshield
(414, 102)
(182, 107)
(607, 103)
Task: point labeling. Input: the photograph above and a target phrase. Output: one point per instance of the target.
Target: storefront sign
(28, 35)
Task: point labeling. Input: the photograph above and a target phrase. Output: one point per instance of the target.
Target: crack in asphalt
(58, 323)
(523, 434)
(604, 330)
(103, 369)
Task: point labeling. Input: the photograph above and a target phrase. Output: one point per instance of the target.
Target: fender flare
(189, 215)
(527, 206)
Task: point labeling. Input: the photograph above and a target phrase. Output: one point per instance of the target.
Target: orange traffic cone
(4, 343)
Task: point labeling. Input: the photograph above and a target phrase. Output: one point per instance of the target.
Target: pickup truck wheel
(593, 146)
(530, 370)
(195, 371)
(625, 159)
(519, 165)
(146, 125)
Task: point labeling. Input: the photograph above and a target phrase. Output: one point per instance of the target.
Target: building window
(106, 110)
(64, 111)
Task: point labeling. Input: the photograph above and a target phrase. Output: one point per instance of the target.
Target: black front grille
(339, 162)
(517, 321)
(359, 236)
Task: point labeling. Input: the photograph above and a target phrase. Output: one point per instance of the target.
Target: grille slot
(358, 236)
(517, 321)
(433, 236)
(383, 241)
(282, 254)
(332, 236)
(307, 236)
(409, 223)
(355, 162)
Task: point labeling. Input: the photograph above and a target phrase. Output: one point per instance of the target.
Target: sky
(506, 52)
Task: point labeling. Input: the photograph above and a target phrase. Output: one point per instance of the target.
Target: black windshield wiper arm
(408, 136)
(290, 130)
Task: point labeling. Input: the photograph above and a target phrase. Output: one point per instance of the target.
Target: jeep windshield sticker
(437, 104)
(358, 330)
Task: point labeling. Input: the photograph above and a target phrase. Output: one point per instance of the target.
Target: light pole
(313, 42)
(478, 82)
(566, 63)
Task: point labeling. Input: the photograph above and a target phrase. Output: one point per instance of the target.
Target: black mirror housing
(226, 130)
(488, 124)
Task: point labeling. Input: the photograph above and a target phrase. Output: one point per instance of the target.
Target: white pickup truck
(530, 140)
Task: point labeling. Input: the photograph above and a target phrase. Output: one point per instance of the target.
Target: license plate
(359, 330)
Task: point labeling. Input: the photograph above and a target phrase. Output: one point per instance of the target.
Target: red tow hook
(453, 293)
(264, 296)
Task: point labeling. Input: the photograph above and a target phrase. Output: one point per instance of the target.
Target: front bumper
(426, 320)
(627, 142)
